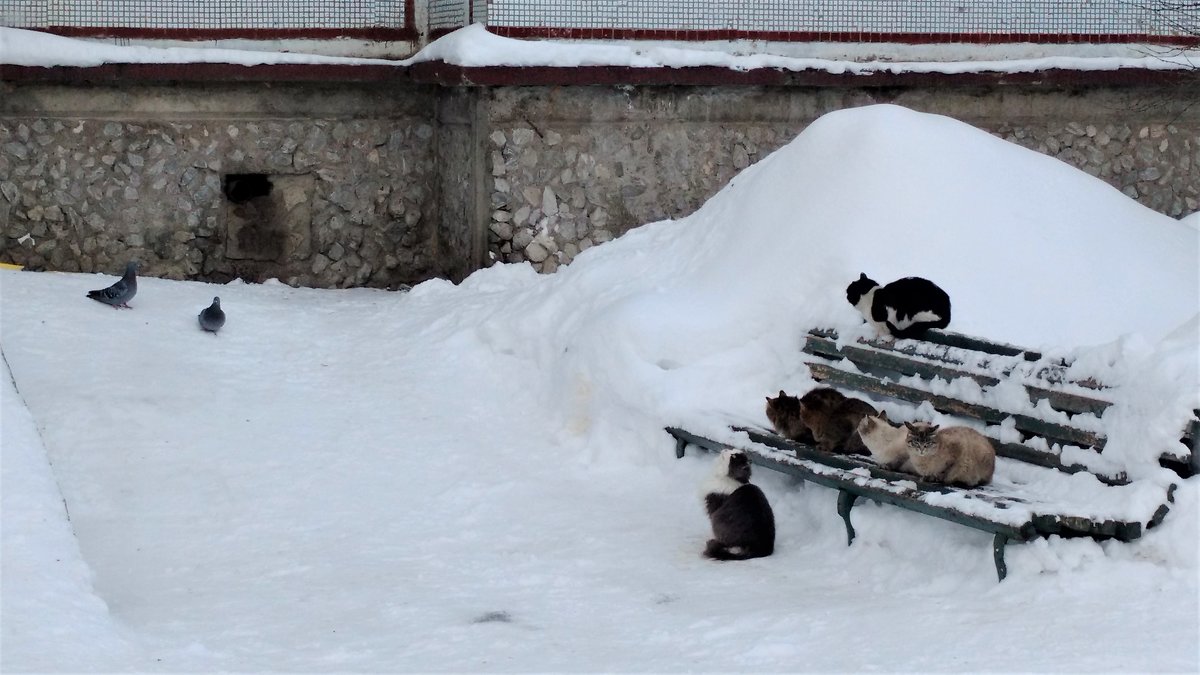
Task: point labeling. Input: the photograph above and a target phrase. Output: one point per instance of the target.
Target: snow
(474, 46)
(33, 48)
(474, 477)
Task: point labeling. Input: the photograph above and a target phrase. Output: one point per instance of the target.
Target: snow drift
(1031, 251)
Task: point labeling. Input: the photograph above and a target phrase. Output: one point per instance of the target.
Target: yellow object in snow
(10, 266)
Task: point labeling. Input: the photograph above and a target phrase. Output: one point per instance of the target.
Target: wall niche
(268, 217)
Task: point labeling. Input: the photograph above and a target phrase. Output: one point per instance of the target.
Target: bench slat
(950, 352)
(952, 339)
(1052, 432)
(905, 365)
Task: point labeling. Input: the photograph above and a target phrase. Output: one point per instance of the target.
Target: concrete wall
(385, 184)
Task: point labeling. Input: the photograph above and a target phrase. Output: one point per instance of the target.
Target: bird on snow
(211, 317)
(120, 293)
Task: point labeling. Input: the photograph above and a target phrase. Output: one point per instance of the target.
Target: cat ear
(883, 416)
(781, 394)
(862, 276)
(933, 427)
(910, 426)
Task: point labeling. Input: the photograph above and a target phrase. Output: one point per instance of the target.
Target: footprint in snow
(493, 617)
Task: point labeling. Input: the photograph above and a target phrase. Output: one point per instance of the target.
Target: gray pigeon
(211, 317)
(120, 293)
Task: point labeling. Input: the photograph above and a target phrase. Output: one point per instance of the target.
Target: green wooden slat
(1191, 436)
(1024, 453)
(951, 339)
(903, 364)
(818, 346)
(1051, 374)
(1055, 433)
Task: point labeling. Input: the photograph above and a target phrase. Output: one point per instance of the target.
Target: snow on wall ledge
(474, 46)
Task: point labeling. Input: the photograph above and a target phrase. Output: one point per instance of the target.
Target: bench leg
(680, 448)
(998, 555)
(845, 503)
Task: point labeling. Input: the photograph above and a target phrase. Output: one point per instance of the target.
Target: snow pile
(475, 477)
(730, 289)
(474, 46)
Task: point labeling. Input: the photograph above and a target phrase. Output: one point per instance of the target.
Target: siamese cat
(743, 524)
(887, 444)
(954, 455)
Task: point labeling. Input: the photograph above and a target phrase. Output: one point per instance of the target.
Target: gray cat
(954, 455)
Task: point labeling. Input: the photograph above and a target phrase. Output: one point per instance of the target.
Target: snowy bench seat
(1050, 479)
(1059, 420)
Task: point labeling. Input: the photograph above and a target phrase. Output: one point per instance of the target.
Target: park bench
(1051, 477)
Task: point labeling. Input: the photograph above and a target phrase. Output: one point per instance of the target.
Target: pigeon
(119, 294)
(211, 317)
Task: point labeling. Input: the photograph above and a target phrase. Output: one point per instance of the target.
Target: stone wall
(573, 167)
(385, 184)
(314, 185)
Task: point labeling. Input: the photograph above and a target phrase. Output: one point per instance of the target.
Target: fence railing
(215, 19)
(911, 21)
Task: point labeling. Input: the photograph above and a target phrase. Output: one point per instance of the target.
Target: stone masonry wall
(383, 185)
(174, 177)
(573, 167)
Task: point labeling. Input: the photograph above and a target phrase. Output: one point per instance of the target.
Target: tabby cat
(832, 418)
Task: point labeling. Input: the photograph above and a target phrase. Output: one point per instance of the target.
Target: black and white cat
(743, 524)
(905, 308)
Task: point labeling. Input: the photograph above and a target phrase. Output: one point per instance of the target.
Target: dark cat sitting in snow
(743, 524)
(905, 308)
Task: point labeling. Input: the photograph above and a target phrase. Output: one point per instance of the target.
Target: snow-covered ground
(474, 477)
(475, 46)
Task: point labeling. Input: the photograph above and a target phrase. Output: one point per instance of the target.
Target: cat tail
(718, 551)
